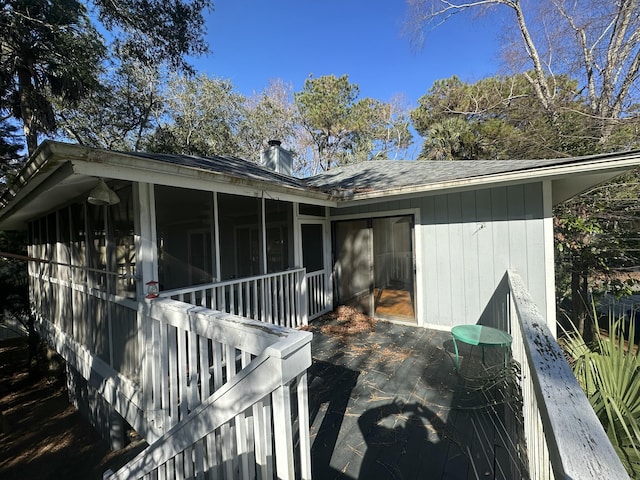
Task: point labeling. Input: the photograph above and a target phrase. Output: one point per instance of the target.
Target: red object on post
(152, 289)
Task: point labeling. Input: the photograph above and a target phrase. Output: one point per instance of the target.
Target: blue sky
(253, 41)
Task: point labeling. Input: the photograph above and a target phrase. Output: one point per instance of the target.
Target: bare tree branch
(599, 37)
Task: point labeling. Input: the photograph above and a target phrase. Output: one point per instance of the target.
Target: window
(185, 233)
(311, 210)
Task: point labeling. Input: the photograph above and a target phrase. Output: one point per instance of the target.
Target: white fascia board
(35, 172)
(28, 195)
(157, 173)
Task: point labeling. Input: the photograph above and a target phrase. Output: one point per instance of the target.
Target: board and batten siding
(468, 240)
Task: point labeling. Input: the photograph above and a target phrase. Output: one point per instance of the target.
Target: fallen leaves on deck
(346, 321)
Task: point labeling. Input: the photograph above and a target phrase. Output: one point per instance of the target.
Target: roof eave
(600, 170)
(85, 162)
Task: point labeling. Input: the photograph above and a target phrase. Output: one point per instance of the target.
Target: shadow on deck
(387, 403)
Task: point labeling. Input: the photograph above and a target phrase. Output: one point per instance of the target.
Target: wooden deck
(387, 404)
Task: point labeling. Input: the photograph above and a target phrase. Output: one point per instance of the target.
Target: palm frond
(609, 372)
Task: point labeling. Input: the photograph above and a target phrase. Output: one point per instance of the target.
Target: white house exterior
(424, 243)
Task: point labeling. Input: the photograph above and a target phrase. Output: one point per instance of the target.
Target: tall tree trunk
(577, 310)
(27, 112)
(579, 297)
(588, 333)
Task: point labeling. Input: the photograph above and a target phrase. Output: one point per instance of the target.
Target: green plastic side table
(480, 335)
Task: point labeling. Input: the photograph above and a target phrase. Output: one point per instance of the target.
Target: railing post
(147, 361)
(283, 432)
(564, 437)
(303, 298)
(304, 427)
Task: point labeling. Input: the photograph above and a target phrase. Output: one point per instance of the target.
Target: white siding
(469, 239)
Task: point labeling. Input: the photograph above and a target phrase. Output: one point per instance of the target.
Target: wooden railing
(564, 438)
(228, 394)
(233, 389)
(276, 298)
(103, 323)
(318, 290)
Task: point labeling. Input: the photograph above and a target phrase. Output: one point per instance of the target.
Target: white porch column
(145, 225)
(297, 236)
(146, 270)
(549, 251)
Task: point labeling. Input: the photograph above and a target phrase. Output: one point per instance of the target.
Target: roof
(383, 179)
(226, 165)
(390, 174)
(58, 173)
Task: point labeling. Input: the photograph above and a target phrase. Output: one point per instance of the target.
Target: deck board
(387, 403)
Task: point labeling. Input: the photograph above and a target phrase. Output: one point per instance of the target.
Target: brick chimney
(276, 158)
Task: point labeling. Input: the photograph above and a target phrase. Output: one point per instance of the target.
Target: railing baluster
(171, 468)
(205, 374)
(228, 431)
(256, 300)
(279, 297)
(240, 301)
(188, 463)
(212, 459)
(192, 346)
(263, 300)
(164, 375)
(232, 299)
(241, 431)
(179, 466)
(157, 373)
(303, 427)
(182, 375)
(288, 313)
(173, 376)
(215, 293)
(198, 460)
(247, 296)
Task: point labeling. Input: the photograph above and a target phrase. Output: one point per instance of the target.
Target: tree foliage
(48, 50)
(598, 245)
(202, 117)
(608, 370)
(118, 115)
(268, 115)
(575, 66)
(596, 42)
(500, 118)
(52, 57)
(10, 155)
(13, 274)
(156, 32)
(341, 129)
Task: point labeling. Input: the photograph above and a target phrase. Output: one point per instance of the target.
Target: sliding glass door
(374, 266)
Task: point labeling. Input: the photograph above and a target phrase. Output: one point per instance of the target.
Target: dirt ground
(42, 436)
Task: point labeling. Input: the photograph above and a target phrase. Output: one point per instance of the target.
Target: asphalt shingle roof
(386, 175)
(226, 165)
(373, 176)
